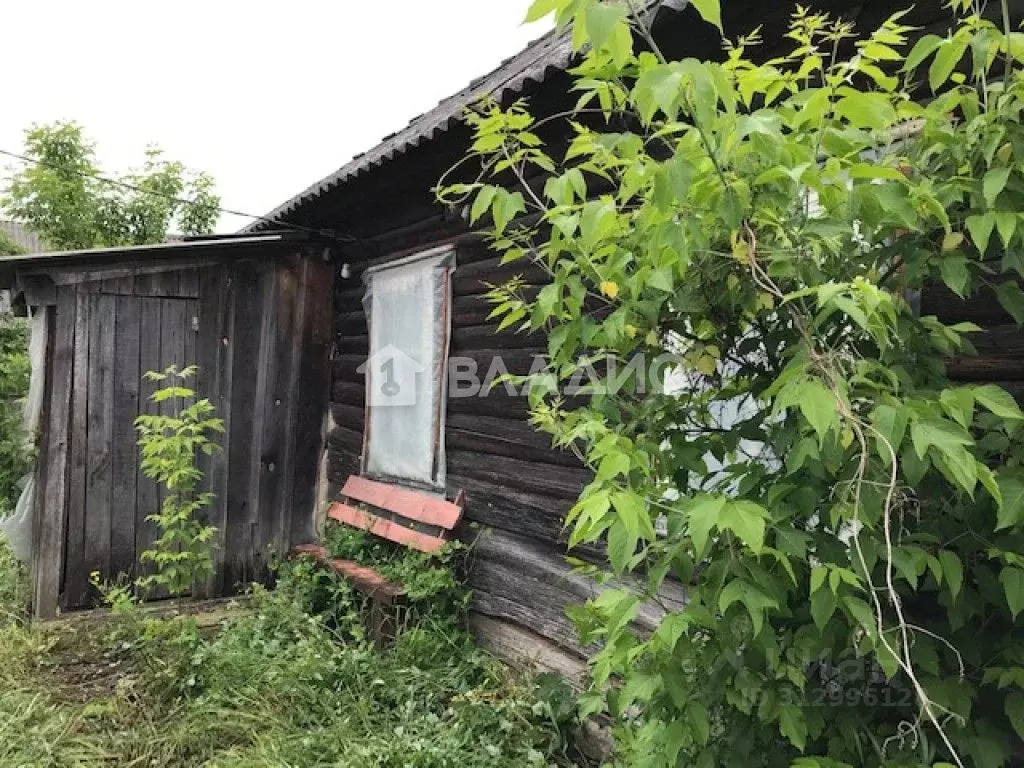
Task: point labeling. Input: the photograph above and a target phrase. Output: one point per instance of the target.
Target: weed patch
(292, 683)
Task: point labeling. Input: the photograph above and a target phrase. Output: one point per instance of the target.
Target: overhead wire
(185, 201)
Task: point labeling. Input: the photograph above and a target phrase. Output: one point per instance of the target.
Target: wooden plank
(282, 346)
(365, 579)
(188, 287)
(125, 456)
(385, 529)
(526, 650)
(245, 337)
(214, 357)
(313, 394)
(98, 519)
(147, 493)
(1000, 355)
(263, 526)
(514, 438)
(409, 504)
(348, 392)
(50, 525)
(76, 586)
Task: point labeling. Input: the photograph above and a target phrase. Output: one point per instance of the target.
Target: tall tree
(63, 196)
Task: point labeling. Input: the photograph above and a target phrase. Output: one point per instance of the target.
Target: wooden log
(359, 344)
(487, 336)
(516, 511)
(513, 438)
(348, 392)
(982, 308)
(480, 277)
(527, 650)
(1000, 356)
(475, 309)
(531, 476)
(350, 417)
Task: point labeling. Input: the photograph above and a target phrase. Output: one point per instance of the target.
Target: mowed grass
(291, 683)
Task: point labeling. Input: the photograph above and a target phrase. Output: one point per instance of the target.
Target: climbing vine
(848, 520)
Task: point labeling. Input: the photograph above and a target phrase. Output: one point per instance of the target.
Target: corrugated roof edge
(550, 53)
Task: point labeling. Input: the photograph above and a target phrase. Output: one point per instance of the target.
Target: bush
(15, 368)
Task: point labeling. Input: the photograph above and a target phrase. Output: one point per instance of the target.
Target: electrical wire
(185, 201)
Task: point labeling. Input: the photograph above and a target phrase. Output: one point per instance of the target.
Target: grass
(293, 683)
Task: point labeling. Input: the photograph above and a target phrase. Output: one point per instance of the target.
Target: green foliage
(274, 686)
(62, 199)
(170, 444)
(9, 246)
(15, 369)
(850, 521)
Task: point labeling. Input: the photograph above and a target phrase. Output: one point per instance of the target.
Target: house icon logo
(391, 378)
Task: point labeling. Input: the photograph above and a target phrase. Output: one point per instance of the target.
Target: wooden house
(270, 310)
(254, 313)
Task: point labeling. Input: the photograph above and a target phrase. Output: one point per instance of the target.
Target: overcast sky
(266, 96)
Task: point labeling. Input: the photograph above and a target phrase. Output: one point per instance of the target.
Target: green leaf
(998, 401)
(958, 405)
(621, 547)
(890, 423)
(541, 8)
(818, 575)
(818, 405)
(746, 520)
(1015, 711)
(949, 54)
(1012, 579)
(793, 725)
(943, 435)
(953, 269)
(994, 183)
(755, 601)
(823, 606)
(1006, 224)
(980, 227)
(634, 514)
(704, 512)
(953, 570)
(482, 203)
(1011, 298)
(867, 110)
(1011, 488)
(922, 49)
(710, 11)
(601, 19)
